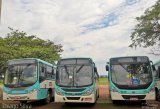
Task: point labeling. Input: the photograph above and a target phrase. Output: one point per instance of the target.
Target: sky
(99, 29)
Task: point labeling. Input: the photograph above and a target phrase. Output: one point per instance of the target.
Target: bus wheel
(98, 93)
(157, 95)
(52, 99)
(48, 98)
(23, 102)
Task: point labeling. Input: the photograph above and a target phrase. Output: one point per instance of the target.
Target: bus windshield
(74, 75)
(131, 73)
(21, 73)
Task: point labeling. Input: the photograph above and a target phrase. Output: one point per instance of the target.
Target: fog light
(89, 92)
(58, 92)
(152, 89)
(88, 99)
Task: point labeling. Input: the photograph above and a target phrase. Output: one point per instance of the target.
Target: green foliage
(17, 44)
(147, 31)
(103, 81)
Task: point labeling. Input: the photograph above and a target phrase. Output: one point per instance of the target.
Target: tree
(147, 31)
(17, 44)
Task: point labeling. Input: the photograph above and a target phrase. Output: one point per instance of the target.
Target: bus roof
(128, 57)
(76, 58)
(32, 59)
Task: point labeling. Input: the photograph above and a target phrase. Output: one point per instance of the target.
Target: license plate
(17, 97)
(133, 99)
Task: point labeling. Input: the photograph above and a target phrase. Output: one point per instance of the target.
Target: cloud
(106, 21)
(110, 18)
(99, 29)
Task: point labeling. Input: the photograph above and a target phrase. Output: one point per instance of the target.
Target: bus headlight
(33, 90)
(152, 89)
(89, 92)
(58, 92)
(114, 89)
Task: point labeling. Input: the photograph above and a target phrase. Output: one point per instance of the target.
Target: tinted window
(74, 61)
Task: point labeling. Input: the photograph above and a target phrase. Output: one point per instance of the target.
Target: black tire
(47, 100)
(98, 92)
(157, 95)
(109, 95)
(52, 99)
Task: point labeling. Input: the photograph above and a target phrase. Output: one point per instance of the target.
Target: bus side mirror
(107, 68)
(95, 69)
(153, 67)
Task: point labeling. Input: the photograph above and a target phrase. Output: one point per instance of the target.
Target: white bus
(29, 79)
(76, 81)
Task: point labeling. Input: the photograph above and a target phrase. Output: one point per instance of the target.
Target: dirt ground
(103, 102)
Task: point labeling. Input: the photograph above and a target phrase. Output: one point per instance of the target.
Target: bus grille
(133, 96)
(73, 98)
(73, 90)
(73, 94)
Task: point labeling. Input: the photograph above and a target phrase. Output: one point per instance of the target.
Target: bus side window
(42, 72)
(53, 73)
(49, 72)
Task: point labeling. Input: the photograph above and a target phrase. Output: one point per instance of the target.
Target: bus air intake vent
(73, 98)
(73, 90)
(133, 96)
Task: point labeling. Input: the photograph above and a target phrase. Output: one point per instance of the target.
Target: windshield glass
(21, 73)
(74, 75)
(132, 74)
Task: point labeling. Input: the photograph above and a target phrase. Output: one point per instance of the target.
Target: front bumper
(75, 99)
(118, 96)
(19, 97)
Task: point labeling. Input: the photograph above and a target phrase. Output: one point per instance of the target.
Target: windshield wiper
(79, 69)
(124, 67)
(66, 69)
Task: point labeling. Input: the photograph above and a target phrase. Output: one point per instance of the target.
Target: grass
(103, 81)
(1, 82)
